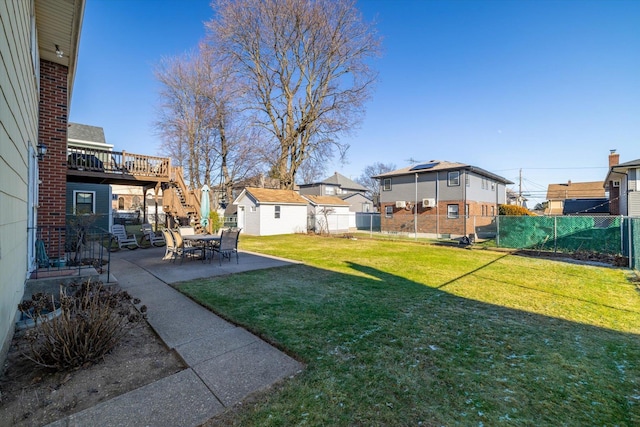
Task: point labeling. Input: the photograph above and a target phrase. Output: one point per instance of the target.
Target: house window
(493, 186)
(467, 180)
(366, 207)
(277, 212)
(388, 211)
(330, 191)
(453, 179)
(386, 184)
(121, 203)
(84, 202)
(452, 211)
(493, 211)
(253, 208)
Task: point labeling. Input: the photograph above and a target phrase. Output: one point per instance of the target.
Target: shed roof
(270, 195)
(325, 200)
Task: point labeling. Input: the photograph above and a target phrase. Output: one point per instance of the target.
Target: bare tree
(373, 185)
(201, 124)
(305, 68)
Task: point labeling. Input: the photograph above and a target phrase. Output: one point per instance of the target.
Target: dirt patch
(33, 396)
(584, 257)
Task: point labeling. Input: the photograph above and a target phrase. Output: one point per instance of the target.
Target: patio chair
(228, 245)
(170, 245)
(183, 247)
(155, 239)
(187, 231)
(127, 240)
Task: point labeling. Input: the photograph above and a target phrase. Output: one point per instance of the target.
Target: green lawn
(407, 334)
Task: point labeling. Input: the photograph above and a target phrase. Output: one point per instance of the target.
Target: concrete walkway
(225, 363)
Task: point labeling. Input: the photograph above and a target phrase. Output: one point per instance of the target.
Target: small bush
(91, 324)
(513, 210)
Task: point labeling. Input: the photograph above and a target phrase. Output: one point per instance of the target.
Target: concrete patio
(225, 363)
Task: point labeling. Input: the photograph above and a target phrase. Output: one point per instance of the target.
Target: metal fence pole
(630, 244)
(498, 231)
(555, 234)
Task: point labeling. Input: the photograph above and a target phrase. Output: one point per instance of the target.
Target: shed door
(241, 217)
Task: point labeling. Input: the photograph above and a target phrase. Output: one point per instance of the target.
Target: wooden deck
(114, 167)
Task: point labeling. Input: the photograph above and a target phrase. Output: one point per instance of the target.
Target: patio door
(32, 212)
(240, 217)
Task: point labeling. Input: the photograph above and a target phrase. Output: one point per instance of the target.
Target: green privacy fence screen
(602, 234)
(635, 243)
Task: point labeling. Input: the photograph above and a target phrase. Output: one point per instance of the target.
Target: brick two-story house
(440, 198)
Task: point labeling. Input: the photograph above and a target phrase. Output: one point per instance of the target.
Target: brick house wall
(52, 132)
(435, 221)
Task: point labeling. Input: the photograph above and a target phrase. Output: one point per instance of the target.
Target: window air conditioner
(428, 203)
(400, 204)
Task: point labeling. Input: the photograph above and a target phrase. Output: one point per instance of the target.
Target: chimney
(569, 183)
(614, 158)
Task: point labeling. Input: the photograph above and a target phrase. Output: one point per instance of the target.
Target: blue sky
(548, 87)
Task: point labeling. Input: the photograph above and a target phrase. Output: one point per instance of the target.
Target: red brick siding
(52, 132)
(403, 219)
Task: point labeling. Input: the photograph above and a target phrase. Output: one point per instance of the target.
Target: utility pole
(520, 189)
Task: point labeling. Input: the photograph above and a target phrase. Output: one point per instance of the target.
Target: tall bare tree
(305, 68)
(373, 185)
(200, 122)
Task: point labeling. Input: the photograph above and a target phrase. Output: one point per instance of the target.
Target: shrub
(513, 210)
(91, 324)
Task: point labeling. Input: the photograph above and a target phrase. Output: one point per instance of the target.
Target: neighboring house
(623, 184)
(358, 202)
(558, 193)
(38, 57)
(329, 214)
(446, 198)
(92, 198)
(341, 186)
(266, 211)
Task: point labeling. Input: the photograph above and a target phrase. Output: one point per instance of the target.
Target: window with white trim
(386, 184)
(453, 179)
(84, 202)
(276, 213)
(388, 211)
(452, 211)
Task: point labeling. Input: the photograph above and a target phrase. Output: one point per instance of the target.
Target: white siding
(634, 204)
(251, 216)
(293, 219)
(18, 130)
(338, 221)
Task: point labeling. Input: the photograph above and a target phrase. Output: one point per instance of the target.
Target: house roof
(86, 133)
(343, 182)
(586, 206)
(270, 195)
(576, 190)
(325, 200)
(618, 171)
(442, 165)
(349, 195)
(338, 180)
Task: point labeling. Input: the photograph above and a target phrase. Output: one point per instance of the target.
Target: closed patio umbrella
(204, 206)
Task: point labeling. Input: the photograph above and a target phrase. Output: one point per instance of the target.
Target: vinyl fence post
(630, 242)
(370, 225)
(621, 235)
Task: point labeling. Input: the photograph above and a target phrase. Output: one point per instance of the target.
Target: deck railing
(117, 162)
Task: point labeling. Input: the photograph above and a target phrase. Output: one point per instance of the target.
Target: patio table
(208, 240)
